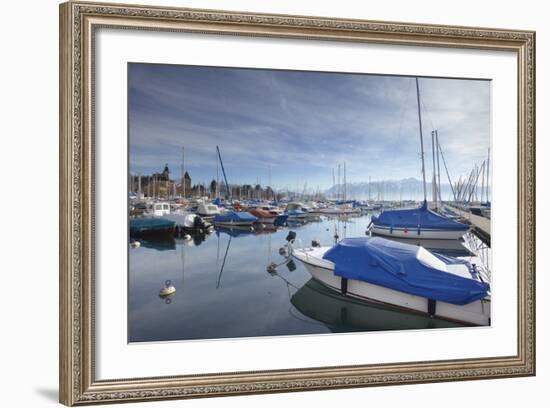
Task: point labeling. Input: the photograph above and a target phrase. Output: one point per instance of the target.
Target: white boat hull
(476, 313)
(423, 233)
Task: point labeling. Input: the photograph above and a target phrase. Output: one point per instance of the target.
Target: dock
(481, 226)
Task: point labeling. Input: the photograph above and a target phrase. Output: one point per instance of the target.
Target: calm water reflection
(223, 289)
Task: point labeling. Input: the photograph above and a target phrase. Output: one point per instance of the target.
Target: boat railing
(297, 244)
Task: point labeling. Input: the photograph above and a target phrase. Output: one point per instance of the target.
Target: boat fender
(344, 286)
(418, 232)
(291, 236)
(291, 266)
(431, 307)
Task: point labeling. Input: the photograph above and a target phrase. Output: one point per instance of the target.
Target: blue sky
(300, 125)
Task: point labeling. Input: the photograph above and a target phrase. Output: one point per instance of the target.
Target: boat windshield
(429, 259)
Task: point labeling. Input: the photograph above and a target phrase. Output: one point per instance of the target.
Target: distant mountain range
(405, 189)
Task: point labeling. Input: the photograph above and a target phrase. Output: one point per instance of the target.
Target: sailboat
(417, 222)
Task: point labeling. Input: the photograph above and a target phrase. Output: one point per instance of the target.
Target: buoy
(167, 290)
(135, 244)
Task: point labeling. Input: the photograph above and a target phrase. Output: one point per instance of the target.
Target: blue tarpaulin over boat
(236, 217)
(394, 265)
(295, 213)
(417, 218)
(140, 226)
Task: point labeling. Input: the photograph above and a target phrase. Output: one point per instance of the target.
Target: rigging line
(446, 170)
(427, 112)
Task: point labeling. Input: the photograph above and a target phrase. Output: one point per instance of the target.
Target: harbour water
(223, 288)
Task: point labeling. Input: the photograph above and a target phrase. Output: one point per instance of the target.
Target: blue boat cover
(139, 225)
(235, 217)
(394, 265)
(417, 218)
(295, 213)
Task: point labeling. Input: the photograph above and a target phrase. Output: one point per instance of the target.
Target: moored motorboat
(235, 218)
(159, 208)
(264, 216)
(268, 217)
(208, 210)
(295, 211)
(405, 276)
(188, 222)
(151, 227)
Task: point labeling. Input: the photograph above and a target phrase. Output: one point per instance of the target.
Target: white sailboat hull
(475, 313)
(423, 233)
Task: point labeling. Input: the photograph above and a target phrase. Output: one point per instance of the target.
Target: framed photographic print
(258, 203)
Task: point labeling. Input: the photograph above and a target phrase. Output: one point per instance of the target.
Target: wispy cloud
(300, 124)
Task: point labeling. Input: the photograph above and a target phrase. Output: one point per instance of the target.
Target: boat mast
(333, 183)
(438, 168)
(434, 185)
(344, 181)
(269, 180)
(369, 189)
(488, 174)
(224, 175)
(421, 138)
(183, 172)
(482, 181)
(339, 185)
(217, 178)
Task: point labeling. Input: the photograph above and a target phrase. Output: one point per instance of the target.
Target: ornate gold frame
(78, 21)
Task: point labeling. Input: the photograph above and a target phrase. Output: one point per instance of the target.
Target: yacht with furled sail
(417, 222)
